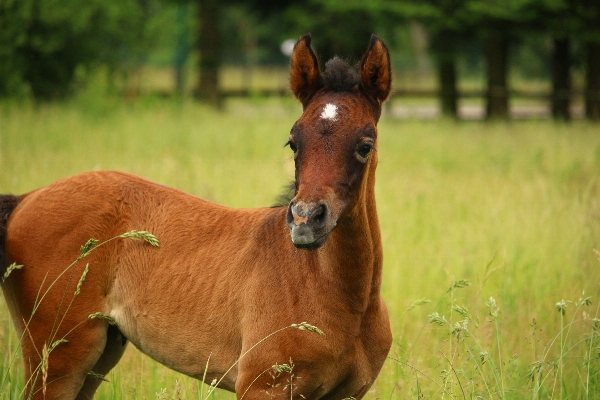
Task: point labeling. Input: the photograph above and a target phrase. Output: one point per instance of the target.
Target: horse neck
(356, 254)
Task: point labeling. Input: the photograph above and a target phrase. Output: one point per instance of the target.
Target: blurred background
(468, 59)
(194, 95)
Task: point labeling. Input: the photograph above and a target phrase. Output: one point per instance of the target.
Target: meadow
(489, 232)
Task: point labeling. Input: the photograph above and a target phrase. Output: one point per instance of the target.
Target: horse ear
(305, 77)
(376, 71)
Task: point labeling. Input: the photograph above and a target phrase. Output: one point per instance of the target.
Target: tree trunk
(496, 57)
(445, 45)
(561, 80)
(448, 93)
(592, 90)
(209, 46)
(181, 49)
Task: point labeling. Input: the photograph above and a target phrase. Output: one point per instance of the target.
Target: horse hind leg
(74, 367)
(115, 346)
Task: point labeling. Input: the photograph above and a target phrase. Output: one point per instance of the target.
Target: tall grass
(488, 230)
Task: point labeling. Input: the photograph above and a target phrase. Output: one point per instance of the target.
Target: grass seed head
(584, 301)
(86, 248)
(281, 368)
(85, 271)
(459, 284)
(417, 303)
(535, 369)
(104, 317)
(10, 269)
(463, 311)
(304, 326)
(97, 376)
(561, 307)
(493, 308)
(460, 328)
(141, 235)
(45, 357)
(438, 319)
(57, 342)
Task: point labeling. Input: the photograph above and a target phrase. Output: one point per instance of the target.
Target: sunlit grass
(513, 208)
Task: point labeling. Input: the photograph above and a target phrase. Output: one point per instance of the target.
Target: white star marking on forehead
(330, 112)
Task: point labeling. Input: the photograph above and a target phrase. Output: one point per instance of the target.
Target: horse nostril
(311, 215)
(289, 216)
(319, 215)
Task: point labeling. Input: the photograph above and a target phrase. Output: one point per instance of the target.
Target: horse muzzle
(310, 224)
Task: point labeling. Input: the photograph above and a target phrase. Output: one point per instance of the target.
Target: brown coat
(222, 279)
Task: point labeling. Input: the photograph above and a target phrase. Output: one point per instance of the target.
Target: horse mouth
(310, 245)
(310, 223)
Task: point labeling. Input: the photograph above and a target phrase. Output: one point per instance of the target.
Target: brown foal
(221, 279)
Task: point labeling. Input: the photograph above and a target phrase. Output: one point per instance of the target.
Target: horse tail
(7, 204)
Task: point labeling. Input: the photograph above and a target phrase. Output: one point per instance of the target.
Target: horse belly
(184, 337)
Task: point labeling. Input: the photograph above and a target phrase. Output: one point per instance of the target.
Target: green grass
(512, 208)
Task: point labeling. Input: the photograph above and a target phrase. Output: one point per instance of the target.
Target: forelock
(339, 76)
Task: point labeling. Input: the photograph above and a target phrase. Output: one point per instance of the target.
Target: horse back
(204, 260)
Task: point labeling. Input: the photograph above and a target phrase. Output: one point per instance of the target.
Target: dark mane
(287, 194)
(339, 76)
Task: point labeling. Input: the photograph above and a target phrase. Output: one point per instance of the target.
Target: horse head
(335, 139)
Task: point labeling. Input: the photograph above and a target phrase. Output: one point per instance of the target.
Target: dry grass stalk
(45, 357)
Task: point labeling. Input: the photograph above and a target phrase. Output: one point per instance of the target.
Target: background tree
(498, 24)
(209, 48)
(44, 43)
(248, 32)
(448, 25)
(592, 73)
(569, 23)
(337, 32)
(588, 14)
(558, 20)
(443, 23)
(48, 47)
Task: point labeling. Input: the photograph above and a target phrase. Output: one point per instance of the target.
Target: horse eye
(364, 150)
(292, 146)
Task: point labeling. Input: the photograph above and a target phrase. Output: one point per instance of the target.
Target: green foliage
(46, 44)
(48, 49)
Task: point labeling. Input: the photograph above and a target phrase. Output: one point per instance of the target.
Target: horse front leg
(280, 381)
